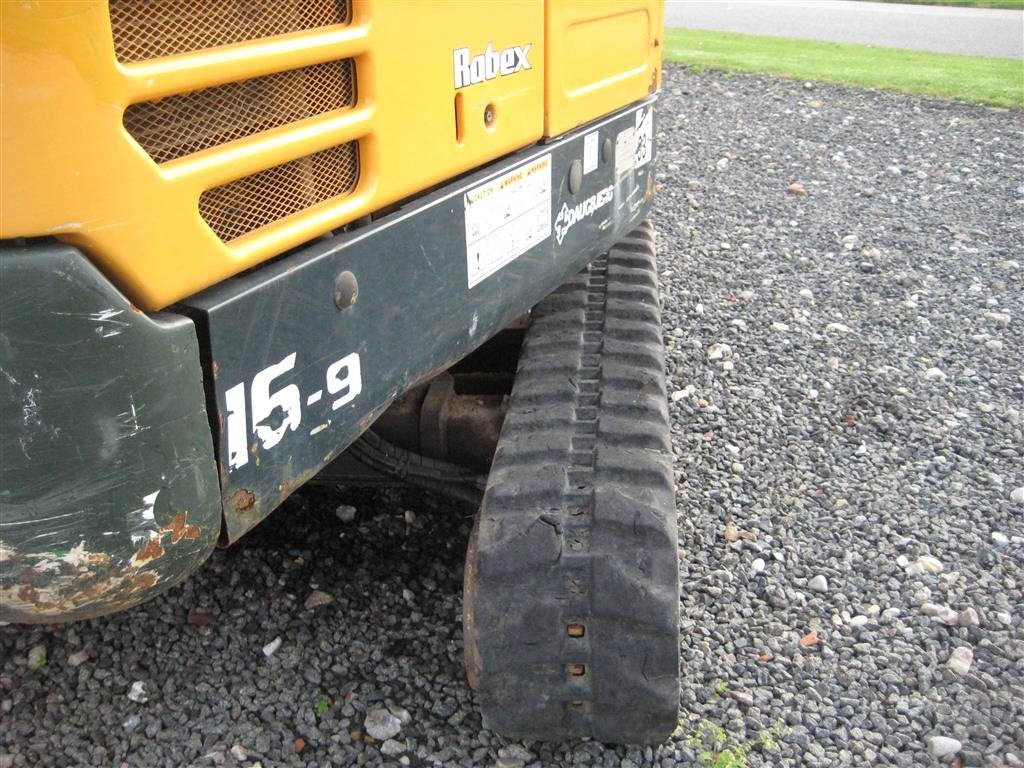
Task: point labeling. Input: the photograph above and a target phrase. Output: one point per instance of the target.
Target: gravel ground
(844, 305)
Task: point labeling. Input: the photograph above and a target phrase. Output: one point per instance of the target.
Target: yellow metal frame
(69, 169)
(599, 55)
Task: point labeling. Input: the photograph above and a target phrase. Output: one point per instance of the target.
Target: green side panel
(306, 352)
(108, 484)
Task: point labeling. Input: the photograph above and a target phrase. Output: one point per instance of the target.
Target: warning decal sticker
(506, 217)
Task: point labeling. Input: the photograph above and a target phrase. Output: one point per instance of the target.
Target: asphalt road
(968, 31)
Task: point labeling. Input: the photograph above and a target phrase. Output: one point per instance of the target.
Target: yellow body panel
(600, 55)
(70, 169)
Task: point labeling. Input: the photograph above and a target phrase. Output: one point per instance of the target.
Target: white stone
(838, 328)
(779, 327)
(719, 351)
(1001, 539)
(858, 621)
(78, 658)
(757, 566)
(391, 748)
(401, 713)
(960, 660)
(943, 746)
(929, 564)
(239, 752)
(934, 374)
(271, 648)
(818, 584)
(317, 598)
(1017, 495)
(942, 613)
(806, 293)
(137, 692)
(516, 752)
(381, 724)
(969, 618)
(346, 513)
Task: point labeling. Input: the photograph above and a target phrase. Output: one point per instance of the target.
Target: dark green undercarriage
(134, 443)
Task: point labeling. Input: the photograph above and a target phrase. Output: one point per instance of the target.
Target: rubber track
(578, 525)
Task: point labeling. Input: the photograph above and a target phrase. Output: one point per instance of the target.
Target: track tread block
(578, 523)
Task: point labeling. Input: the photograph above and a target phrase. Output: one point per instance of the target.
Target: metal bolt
(489, 115)
(575, 176)
(346, 290)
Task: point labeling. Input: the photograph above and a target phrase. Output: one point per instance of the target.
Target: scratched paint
(56, 584)
(109, 484)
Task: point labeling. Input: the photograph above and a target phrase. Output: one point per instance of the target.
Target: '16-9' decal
(275, 413)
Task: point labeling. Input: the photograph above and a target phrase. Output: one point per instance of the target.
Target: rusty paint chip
(243, 499)
(151, 550)
(179, 528)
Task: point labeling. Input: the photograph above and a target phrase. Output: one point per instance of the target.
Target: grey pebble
(381, 724)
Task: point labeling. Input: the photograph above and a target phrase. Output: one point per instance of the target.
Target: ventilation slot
(148, 29)
(180, 125)
(251, 202)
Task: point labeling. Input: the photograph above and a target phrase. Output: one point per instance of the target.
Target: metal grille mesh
(180, 125)
(148, 29)
(251, 202)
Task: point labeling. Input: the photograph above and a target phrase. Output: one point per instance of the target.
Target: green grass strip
(999, 82)
(1011, 4)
